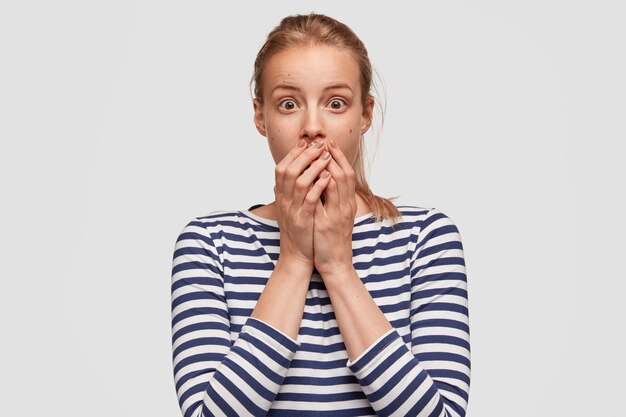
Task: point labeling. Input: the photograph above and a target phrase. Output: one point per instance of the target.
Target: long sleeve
(432, 377)
(215, 376)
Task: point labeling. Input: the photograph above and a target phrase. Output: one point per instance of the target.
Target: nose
(312, 125)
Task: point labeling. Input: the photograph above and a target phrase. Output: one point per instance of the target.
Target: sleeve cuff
(270, 335)
(371, 352)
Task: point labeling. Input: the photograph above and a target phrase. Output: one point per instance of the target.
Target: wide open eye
(289, 104)
(337, 103)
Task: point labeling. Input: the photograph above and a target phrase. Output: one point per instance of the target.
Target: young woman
(329, 301)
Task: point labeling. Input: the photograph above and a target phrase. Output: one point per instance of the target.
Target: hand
(297, 192)
(334, 219)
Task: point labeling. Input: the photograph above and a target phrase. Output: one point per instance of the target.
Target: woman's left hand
(334, 219)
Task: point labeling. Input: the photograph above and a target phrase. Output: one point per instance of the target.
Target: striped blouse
(226, 363)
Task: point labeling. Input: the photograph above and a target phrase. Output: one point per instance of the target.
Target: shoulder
(422, 215)
(410, 219)
(412, 212)
(216, 223)
(219, 218)
(405, 227)
(428, 222)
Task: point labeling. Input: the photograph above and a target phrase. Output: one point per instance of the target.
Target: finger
(342, 161)
(305, 181)
(331, 196)
(339, 156)
(341, 180)
(297, 166)
(312, 198)
(281, 167)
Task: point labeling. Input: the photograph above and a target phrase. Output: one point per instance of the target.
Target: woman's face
(312, 92)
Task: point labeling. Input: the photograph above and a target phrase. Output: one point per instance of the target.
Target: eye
(336, 103)
(290, 104)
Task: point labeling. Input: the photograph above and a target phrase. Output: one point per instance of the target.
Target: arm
(274, 307)
(432, 378)
(360, 320)
(211, 376)
(297, 191)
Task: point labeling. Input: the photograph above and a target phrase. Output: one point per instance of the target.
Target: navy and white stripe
(228, 364)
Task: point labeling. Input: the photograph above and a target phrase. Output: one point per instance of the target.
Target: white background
(121, 120)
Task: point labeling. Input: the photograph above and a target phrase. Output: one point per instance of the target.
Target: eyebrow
(293, 87)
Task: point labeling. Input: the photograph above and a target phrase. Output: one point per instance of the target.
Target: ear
(259, 116)
(368, 112)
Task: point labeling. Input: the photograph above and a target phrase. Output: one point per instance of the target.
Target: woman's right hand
(297, 192)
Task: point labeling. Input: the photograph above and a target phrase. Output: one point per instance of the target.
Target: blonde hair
(313, 29)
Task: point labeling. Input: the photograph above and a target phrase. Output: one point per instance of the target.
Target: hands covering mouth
(316, 205)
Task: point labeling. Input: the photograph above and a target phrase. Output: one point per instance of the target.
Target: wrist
(294, 267)
(337, 273)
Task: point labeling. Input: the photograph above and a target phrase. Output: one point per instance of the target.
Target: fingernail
(333, 144)
(301, 143)
(318, 144)
(326, 155)
(325, 174)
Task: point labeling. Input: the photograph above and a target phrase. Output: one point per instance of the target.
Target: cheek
(352, 127)
(278, 147)
(349, 142)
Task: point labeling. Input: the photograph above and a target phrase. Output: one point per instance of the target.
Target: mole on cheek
(350, 130)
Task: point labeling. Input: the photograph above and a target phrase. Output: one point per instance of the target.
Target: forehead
(311, 68)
